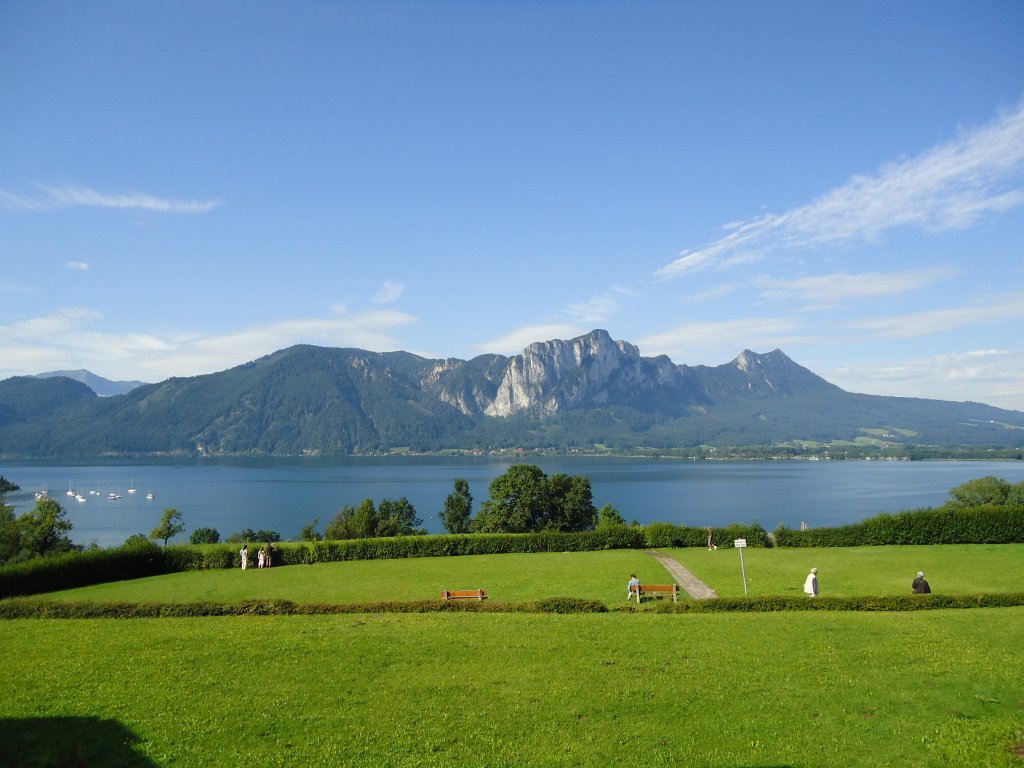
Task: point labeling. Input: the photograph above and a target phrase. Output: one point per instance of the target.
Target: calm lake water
(285, 494)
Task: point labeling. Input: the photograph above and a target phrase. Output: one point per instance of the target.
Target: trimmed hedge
(23, 608)
(80, 569)
(668, 535)
(864, 603)
(987, 524)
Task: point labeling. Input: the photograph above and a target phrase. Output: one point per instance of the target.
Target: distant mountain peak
(101, 386)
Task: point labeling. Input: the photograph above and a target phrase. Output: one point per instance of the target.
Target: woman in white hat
(811, 583)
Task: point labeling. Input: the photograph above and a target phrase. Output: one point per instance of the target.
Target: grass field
(924, 688)
(954, 569)
(836, 689)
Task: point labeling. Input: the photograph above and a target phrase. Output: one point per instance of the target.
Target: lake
(285, 494)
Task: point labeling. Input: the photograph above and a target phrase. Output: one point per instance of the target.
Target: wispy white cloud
(78, 265)
(715, 292)
(947, 376)
(950, 186)
(697, 342)
(996, 310)
(516, 341)
(65, 340)
(389, 292)
(845, 286)
(50, 198)
(596, 309)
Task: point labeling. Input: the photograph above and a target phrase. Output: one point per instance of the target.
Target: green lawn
(954, 569)
(922, 688)
(934, 688)
(598, 575)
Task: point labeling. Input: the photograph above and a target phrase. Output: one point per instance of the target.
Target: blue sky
(187, 186)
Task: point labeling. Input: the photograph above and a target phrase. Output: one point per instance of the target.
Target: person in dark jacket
(920, 585)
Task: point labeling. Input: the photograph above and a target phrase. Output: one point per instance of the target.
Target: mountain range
(99, 385)
(590, 392)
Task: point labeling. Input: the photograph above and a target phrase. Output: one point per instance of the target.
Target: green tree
(10, 534)
(242, 536)
(309, 531)
(44, 530)
(457, 515)
(364, 520)
(609, 515)
(980, 491)
(524, 500)
(170, 526)
(397, 518)
(518, 503)
(1016, 495)
(204, 536)
(266, 537)
(572, 503)
(353, 522)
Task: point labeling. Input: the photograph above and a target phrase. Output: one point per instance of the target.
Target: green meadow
(919, 688)
(842, 572)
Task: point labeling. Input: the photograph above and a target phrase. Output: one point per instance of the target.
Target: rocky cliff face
(590, 370)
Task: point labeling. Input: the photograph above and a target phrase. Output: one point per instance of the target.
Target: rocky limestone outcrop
(590, 370)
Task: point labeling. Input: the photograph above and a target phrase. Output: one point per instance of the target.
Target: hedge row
(668, 535)
(867, 603)
(22, 608)
(79, 569)
(987, 524)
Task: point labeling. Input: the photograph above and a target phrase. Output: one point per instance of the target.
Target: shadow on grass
(68, 742)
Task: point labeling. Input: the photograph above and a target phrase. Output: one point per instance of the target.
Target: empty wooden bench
(464, 594)
(659, 590)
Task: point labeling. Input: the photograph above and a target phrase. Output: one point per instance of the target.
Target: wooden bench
(464, 594)
(659, 589)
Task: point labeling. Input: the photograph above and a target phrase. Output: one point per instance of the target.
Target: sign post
(741, 544)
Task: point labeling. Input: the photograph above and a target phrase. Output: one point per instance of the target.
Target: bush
(568, 605)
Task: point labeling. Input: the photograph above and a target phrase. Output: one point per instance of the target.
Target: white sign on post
(741, 544)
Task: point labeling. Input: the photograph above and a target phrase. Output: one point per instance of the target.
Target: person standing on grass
(261, 558)
(811, 583)
(270, 553)
(711, 544)
(244, 553)
(633, 588)
(921, 587)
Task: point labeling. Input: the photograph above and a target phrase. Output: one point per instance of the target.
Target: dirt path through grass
(694, 587)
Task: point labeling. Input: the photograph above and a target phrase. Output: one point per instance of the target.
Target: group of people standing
(264, 558)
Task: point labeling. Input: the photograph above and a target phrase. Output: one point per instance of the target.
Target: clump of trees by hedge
(40, 532)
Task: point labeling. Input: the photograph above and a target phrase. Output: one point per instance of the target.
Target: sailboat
(131, 487)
